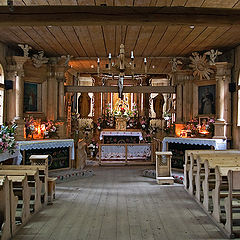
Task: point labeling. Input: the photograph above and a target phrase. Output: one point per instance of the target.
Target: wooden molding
(99, 15)
(126, 89)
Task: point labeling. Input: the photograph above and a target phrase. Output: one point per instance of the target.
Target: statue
(25, 48)
(84, 105)
(158, 102)
(39, 59)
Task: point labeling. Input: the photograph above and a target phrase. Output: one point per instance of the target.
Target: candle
(98, 60)
(132, 55)
(109, 56)
(145, 60)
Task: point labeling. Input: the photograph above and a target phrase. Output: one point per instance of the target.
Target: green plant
(7, 140)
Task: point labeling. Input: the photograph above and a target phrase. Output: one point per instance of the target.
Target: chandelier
(121, 68)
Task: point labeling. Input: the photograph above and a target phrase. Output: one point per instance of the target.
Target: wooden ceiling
(156, 42)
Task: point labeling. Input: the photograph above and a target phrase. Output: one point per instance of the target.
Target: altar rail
(126, 153)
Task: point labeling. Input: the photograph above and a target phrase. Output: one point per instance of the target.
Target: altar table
(45, 144)
(218, 144)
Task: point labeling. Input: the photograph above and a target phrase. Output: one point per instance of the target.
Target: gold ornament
(200, 66)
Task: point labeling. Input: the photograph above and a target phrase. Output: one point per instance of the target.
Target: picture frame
(203, 119)
(207, 100)
(32, 95)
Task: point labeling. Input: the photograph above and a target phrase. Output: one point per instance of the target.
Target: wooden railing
(122, 154)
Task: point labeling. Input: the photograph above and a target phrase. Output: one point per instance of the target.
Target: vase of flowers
(7, 140)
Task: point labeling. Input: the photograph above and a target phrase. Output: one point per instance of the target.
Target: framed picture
(207, 100)
(203, 120)
(31, 95)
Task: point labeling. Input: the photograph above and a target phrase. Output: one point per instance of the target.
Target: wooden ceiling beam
(126, 89)
(99, 15)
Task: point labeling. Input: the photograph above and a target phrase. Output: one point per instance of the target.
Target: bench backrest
(234, 180)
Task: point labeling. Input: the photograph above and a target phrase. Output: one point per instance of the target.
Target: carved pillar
(10, 95)
(52, 90)
(17, 67)
(223, 108)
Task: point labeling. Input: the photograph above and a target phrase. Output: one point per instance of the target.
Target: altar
(178, 146)
(120, 137)
(61, 150)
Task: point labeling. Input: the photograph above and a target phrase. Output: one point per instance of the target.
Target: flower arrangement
(7, 140)
(38, 129)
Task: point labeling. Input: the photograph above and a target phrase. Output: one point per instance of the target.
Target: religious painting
(207, 100)
(30, 97)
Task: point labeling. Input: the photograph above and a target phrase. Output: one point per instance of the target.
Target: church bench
(232, 206)
(220, 192)
(23, 192)
(210, 163)
(43, 175)
(33, 181)
(5, 218)
(190, 166)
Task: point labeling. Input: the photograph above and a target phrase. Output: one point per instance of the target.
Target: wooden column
(52, 91)
(223, 113)
(17, 68)
(61, 112)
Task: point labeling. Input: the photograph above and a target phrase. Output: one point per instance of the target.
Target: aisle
(118, 204)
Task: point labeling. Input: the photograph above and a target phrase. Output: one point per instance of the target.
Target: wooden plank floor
(119, 204)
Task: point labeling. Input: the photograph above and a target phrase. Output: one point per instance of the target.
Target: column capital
(16, 65)
(181, 76)
(223, 70)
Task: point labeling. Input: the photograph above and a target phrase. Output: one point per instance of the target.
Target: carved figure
(39, 59)
(213, 55)
(25, 48)
(175, 62)
(158, 102)
(84, 105)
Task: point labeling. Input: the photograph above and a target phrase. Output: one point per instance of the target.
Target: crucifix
(122, 71)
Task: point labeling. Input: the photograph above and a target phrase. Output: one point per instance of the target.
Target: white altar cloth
(45, 144)
(218, 144)
(134, 151)
(121, 133)
(6, 155)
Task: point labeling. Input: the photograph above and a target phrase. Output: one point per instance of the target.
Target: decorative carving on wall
(200, 66)
(25, 48)
(213, 55)
(175, 62)
(39, 59)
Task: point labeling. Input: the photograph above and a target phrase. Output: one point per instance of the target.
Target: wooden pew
(190, 167)
(33, 181)
(43, 175)
(209, 181)
(221, 186)
(5, 220)
(233, 177)
(23, 192)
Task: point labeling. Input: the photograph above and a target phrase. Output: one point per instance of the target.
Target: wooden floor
(119, 204)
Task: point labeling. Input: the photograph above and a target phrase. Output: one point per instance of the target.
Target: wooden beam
(126, 89)
(99, 15)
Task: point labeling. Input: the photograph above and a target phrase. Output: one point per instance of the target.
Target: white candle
(132, 55)
(145, 60)
(98, 60)
(109, 56)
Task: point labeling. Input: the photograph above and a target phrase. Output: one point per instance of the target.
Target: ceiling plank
(72, 37)
(85, 39)
(195, 33)
(97, 15)
(35, 2)
(69, 2)
(63, 40)
(177, 40)
(51, 40)
(168, 36)
(25, 37)
(54, 2)
(120, 37)
(131, 39)
(177, 3)
(96, 35)
(219, 3)
(158, 33)
(196, 42)
(123, 2)
(86, 2)
(143, 39)
(126, 89)
(109, 39)
(194, 3)
(142, 3)
(153, 3)
(163, 3)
